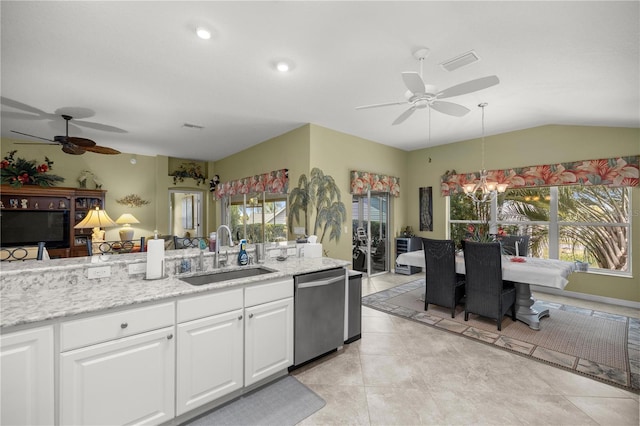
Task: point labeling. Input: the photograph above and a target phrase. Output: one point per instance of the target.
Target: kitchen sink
(216, 277)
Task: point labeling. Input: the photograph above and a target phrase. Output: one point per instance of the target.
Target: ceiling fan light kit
(420, 95)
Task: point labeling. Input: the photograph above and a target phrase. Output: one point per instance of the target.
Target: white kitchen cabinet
(268, 339)
(26, 377)
(210, 354)
(129, 379)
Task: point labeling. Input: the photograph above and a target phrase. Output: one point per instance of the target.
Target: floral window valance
(275, 182)
(618, 171)
(361, 182)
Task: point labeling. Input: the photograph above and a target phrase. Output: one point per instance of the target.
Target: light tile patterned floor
(403, 373)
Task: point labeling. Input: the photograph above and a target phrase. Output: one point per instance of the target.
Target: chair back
(483, 268)
(184, 243)
(11, 254)
(439, 260)
(509, 245)
(114, 247)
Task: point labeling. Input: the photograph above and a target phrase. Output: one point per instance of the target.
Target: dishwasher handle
(319, 283)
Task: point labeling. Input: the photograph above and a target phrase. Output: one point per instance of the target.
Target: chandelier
(483, 191)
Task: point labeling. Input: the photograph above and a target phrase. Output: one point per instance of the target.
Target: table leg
(525, 311)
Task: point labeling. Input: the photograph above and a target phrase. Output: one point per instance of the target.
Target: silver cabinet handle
(250, 315)
(124, 325)
(239, 317)
(169, 337)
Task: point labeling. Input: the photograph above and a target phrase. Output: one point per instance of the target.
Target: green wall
(540, 145)
(336, 154)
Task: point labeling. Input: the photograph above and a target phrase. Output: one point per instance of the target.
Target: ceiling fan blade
(414, 82)
(20, 115)
(73, 149)
(468, 87)
(450, 108)
(404, 116)
(32, 136)
(382, 105)
(24, 107)
(101, 150)
(98, 126)
(83, 142)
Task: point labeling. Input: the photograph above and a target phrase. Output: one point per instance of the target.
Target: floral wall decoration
(18, 171)
(133, 200)
(275, 182)
(361, 182)
(617, 171)
(188, 170)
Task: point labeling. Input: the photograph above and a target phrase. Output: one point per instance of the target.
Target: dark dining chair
(114, 247)
(11, 254)
(443, 286)
(509, 245)
(486, 293)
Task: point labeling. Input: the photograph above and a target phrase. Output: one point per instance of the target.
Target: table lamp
(126, 219)
(96, 219)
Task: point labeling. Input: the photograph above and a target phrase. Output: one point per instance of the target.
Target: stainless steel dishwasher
(319, 313)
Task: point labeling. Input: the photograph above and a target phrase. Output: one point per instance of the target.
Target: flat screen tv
(22, 228)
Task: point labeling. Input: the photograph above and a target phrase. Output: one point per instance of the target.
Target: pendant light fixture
(483, 191)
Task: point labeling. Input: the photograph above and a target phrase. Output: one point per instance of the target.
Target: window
(573, 223)
(257, 218)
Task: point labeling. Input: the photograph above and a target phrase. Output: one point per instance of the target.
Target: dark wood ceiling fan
(73, 145)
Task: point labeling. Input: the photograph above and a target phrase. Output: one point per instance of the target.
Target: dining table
(522, 271)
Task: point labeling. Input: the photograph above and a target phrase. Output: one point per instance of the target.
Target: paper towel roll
(155, 259)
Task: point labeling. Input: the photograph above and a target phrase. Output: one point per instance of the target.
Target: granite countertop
(33, 292)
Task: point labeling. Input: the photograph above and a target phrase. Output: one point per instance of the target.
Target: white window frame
(553, 228)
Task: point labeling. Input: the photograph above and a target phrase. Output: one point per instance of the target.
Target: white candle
(517, 250)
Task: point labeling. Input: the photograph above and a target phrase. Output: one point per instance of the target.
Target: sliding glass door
(370, 224)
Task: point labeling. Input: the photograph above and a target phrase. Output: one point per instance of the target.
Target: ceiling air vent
(460, 61)
(192, 126)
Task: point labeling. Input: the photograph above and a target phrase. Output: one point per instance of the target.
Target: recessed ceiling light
(282, 66)
(203, 33)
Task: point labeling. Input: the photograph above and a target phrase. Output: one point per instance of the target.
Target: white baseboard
(584, 296)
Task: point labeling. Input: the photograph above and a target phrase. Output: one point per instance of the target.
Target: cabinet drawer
(101, 328)
(211, 304)
(268, 292)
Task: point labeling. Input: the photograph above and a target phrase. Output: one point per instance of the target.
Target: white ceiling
(139, 68)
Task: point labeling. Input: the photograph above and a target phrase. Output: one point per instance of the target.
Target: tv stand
(77, 201)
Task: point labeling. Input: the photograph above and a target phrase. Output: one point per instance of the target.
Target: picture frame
(426, 208)
(79, 241)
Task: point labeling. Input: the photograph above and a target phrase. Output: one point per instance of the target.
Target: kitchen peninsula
(119, 348)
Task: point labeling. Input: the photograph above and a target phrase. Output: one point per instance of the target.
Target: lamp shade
(126, 219)
(96, 218)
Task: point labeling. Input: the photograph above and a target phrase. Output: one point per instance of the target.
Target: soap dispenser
(243, 258)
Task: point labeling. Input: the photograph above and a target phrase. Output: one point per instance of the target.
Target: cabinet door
(209, 359)
(26, 377)
(268, 339)
(129, 380)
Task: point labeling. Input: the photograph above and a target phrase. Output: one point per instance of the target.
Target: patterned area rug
(598, 345)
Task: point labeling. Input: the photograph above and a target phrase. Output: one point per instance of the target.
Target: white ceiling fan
(421, 95)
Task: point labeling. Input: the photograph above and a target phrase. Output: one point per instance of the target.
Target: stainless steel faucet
(218, 243)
